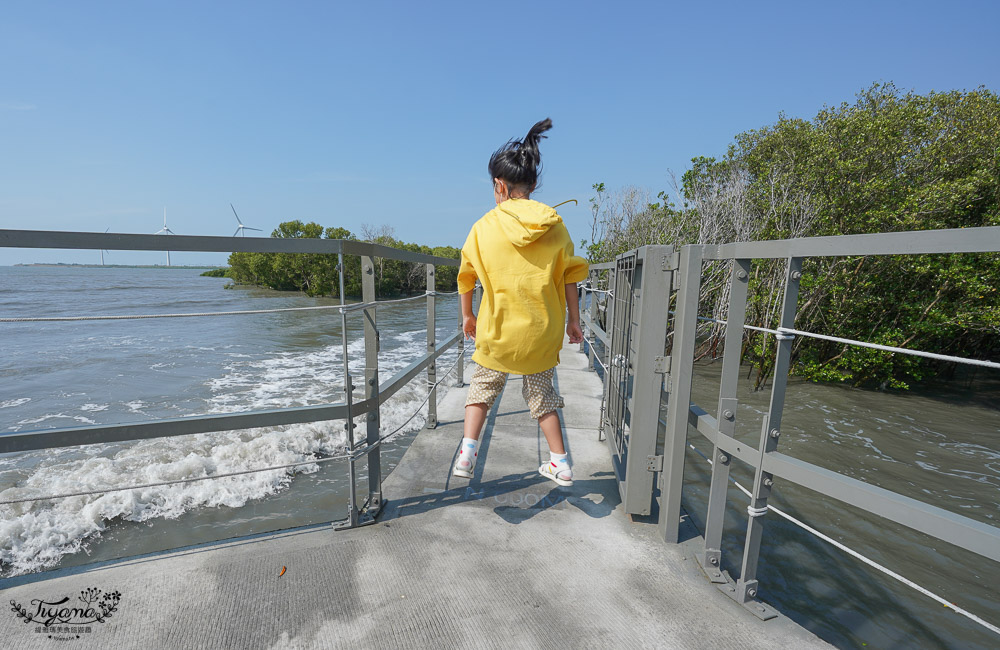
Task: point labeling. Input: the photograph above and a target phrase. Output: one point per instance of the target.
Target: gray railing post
(591, 336)
(746, 587)
(679, 390)
(711, 559)
(432, 368)
(609, 327)
(460, 364)
(374, 503)
(352, 495)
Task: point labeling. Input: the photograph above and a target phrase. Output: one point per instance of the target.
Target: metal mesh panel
(619, 384)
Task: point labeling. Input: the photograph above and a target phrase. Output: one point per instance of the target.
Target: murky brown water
(940, 445)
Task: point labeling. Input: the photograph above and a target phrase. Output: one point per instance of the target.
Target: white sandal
(461, 472)
(563, 476)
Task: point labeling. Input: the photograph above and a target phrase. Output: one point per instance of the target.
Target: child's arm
(468, 319)
(573, 305)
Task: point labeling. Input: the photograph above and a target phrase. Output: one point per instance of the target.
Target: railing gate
(638, 325)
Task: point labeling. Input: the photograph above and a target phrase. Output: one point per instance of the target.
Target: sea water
(67, 374)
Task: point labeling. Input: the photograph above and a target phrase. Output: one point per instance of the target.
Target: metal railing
(376, 392)
(634, 360)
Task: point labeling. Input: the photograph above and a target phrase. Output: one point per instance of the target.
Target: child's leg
(475, 416)
(485, 388)
(543, 401)
(552, 429)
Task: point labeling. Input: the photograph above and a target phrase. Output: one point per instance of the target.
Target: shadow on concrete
(516, 497)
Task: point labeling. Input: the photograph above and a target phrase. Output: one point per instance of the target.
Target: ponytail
(519, 162)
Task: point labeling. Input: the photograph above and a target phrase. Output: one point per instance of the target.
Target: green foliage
(317, 274)
(216, 273)
(894, 162)
(890, 161)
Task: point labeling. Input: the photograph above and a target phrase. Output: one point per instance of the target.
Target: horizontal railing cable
(597, 358)
(338, 308)
(872, 563)
(787, 331)
(173, 482)
(52, 319)
(358, 453)
(888, 348)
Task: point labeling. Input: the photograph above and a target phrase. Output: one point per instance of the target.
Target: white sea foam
(36, 535)
(56, 416)
(11, 403)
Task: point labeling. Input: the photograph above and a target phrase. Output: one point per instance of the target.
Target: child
(523, 256)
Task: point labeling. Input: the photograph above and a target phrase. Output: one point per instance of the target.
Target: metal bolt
(714, 561)
(775, 433)
(752, 593)
(728, 414)
(371, 382)
(796, 275)
(741, 274)
(768, 482)
(723, 459)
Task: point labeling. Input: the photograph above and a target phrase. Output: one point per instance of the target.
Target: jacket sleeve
(466, 273)
(575, 267)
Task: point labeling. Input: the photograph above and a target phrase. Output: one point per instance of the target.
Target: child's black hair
(518, 162)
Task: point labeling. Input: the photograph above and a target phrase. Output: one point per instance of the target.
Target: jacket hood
(523, 220)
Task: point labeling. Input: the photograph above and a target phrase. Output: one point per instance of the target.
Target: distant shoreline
(119, 266)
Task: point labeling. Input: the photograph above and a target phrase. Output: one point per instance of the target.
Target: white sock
(560, 463)
(467, 454)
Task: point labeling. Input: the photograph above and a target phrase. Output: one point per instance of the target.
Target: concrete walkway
(506, 559)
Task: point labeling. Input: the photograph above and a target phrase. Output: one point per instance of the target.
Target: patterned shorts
(537, 390)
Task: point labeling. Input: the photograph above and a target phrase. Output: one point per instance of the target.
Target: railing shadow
(514, 497)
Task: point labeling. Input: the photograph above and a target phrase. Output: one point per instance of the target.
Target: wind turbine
(103, 251)
(241, 228)
(165, 231)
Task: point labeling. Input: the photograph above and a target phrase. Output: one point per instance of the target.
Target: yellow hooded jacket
(523, 256)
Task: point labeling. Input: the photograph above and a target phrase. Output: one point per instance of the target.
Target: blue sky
(387, 112)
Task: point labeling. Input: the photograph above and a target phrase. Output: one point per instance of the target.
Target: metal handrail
(209, 244)
(358, 453)
(185, 426)
(951, 240)
(375, 391)
(685, 267)
(850, 551)
(950, 527)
